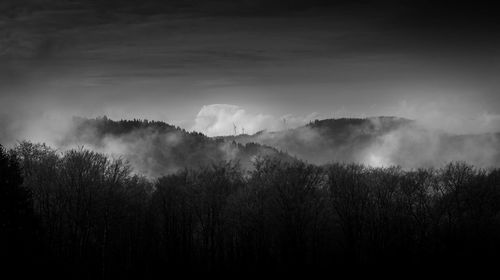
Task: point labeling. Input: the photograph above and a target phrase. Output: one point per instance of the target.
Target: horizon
(250, 62)
(145, 139)
(50, 131)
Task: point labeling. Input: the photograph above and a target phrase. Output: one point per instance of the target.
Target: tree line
(79, 214)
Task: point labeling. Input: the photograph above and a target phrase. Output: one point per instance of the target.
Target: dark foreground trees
(91, 209)
(94, 219)
(20, 240)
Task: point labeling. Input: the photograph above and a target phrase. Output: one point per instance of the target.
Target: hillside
(156, 148)
(323, 141)
(379, 141)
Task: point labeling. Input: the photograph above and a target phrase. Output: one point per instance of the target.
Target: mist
(154, 150)
(144, 139)
(254, 72)
(382, 142)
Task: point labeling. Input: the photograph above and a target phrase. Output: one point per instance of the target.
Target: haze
(207, 65)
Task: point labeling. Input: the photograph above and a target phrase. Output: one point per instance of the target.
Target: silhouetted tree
(88, 216)
(19, 232)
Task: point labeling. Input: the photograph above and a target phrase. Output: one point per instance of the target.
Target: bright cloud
(221, 119)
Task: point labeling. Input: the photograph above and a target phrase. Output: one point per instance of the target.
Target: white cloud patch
(222, 119)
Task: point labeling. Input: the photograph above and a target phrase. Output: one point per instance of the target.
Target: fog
(428, 141)
(383, 142)
(420, 147)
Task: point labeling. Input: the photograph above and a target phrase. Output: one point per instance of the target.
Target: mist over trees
(84, 215)
(379, 141)
(400, 177)
(155, 148)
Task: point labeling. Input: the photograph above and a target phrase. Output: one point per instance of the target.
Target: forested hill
(156, 148)
(323, 141)
(379, 141)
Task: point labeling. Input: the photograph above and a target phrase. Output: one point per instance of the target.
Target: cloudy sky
(205, 65)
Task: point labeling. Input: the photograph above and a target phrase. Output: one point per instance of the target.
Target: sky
(210, 65)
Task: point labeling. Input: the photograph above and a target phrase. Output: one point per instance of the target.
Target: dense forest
(80, 214)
